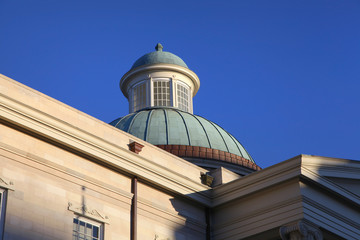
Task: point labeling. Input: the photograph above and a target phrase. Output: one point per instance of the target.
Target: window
(162, 93)
(139, 96)
(183, 97)
(2, 211)
(85, 229)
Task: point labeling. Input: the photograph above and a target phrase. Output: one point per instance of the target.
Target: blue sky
(281, 76)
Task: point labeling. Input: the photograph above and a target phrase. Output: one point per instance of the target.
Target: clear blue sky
(281, 76)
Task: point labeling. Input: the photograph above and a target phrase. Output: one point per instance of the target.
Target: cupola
(160, 79)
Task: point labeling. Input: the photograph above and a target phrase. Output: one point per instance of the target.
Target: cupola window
(139, 96)
(162, 93)
(160, 79)
(183, 97)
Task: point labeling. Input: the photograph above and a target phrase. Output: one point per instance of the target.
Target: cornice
(174, 217)
(252, 217)
(329, 186)
(63, 133)
(342, 220)
(296, 167)
(257, 181)
(332, 167)
(12, 153)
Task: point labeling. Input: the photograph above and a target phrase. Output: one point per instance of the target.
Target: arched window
(183, 98)
(162, 93)
(139, 96)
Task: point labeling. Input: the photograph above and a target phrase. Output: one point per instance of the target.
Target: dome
(159, 56)
(185, 135)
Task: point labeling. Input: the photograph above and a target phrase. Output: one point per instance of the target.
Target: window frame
(185, 86)
(3, 200)
(170, 82)
(100, 225)
(133, 89)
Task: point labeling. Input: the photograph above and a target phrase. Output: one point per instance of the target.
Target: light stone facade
(57, 164)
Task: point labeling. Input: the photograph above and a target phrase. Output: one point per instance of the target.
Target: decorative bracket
(84, 210)
(206, 179)
(300, 231)
(135, 147)
(6, 184)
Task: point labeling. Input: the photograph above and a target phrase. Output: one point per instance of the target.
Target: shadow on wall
(40, 222)
(194, 217)
(32, 229)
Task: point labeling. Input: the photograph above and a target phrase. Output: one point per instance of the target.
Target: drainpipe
(133, 226)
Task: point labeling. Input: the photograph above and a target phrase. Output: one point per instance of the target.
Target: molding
(261, 220)
(173, 216)
(263, 211)
(6, 184)
(329, 185)
(332, 167)
(257, 181)
(330, 219)
(69, 172)
(80, 141)
(209, 153)
(214, 164)
(86, 211)
(293, 168)
(300, 230)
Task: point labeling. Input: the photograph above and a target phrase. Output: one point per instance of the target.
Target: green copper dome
(159, 56)
(169, 126)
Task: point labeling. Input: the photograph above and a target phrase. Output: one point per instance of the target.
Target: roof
(169, 126)
(159, 56)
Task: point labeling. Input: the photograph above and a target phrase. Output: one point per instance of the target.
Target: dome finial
(159, 47)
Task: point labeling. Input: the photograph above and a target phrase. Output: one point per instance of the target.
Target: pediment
(350, 184)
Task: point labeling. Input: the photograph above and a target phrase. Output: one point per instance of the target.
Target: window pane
(183, 97)
(82, 227)
(139, 96)
(88, 229)
(162, 93)
(95, 232)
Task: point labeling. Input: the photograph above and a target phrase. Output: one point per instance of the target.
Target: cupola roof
(159, 56)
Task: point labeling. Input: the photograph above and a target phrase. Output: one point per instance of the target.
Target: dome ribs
(207, 137)
(222, 137)
(147, 125)
(186, 127)
(132, 120)
(166, 126)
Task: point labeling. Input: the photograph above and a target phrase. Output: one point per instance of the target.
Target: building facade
(67, 175)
